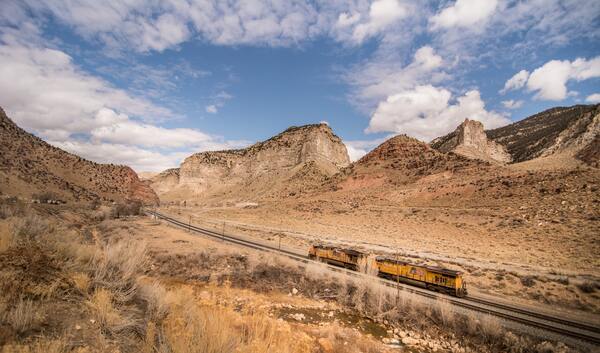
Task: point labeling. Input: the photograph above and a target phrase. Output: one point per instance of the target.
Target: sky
(147, 83)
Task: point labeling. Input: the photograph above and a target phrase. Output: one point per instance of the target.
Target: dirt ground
(517, 241)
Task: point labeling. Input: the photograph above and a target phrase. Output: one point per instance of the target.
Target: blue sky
(147, 83)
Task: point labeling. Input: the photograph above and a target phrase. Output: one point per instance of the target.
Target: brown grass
(24, 316)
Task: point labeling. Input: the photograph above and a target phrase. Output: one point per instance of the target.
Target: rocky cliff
(563, 130)
(469, 140)
(30, 166)
(259, 166)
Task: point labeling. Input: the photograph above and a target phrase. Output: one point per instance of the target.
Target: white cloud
(550, 80)
(382, 13)
(137, 158)
(464, 13)
(139, 134)
(212, 109)
(43, 91)
(425, 112)
(376, 80)
(512, 104)
(516, 82)
(593, 98)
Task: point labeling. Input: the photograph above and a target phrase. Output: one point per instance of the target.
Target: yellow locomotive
(433, 278)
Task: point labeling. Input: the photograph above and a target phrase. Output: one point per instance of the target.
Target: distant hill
(30, 166)
(569, 130)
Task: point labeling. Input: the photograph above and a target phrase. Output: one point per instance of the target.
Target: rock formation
(402, 160)
(259, 166)
(571, 130)
(30, 166)
(469, 140)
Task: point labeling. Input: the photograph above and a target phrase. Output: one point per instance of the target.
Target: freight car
(433, 278)
(332, 255)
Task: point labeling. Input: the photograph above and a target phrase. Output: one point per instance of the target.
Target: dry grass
(117, 266)
(156, 298)
(210, 328)
(112, 319)
(24, 316)
(81, 281)
(27, 229)
(6, 241)
(42, 345)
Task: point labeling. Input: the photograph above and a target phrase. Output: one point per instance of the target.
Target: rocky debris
(29, 166)
(294, 153)
(556, 130)
(470, 140)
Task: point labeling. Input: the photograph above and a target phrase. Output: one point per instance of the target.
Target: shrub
(111, 319)
(128, 208)
(27, 229)
(528, 281)
(116, 267)
(587, 287)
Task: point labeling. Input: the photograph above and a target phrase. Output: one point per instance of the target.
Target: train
(433, 278)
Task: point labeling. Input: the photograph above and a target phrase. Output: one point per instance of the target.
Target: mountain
(284, 162)
(403, 160)
(469, 140)
(30, 166)
(563, 130)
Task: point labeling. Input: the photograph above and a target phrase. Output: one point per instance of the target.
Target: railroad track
(562, 326)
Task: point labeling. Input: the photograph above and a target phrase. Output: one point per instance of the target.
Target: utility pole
(190, 224)
(279, 241)
(223, 234)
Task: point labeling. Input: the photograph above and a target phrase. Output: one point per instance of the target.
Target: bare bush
(128, 208)
(116, 267)
(111, 319)
(155, 296)
(490, 328)
(45, 197)
(27, 229)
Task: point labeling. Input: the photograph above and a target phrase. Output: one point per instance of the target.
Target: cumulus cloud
(44, 91)
(512, 104)
(549, 81)
(426, 112)
(593, 98)
(377, 80)
(517, 81)
(382, 13)
(464, 13)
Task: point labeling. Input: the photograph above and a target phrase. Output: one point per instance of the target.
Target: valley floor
(534, 265)
(78, 280)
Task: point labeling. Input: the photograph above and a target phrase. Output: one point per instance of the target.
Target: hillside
(30, 166)
(289, 161)
(403, 160)
(561, 130)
